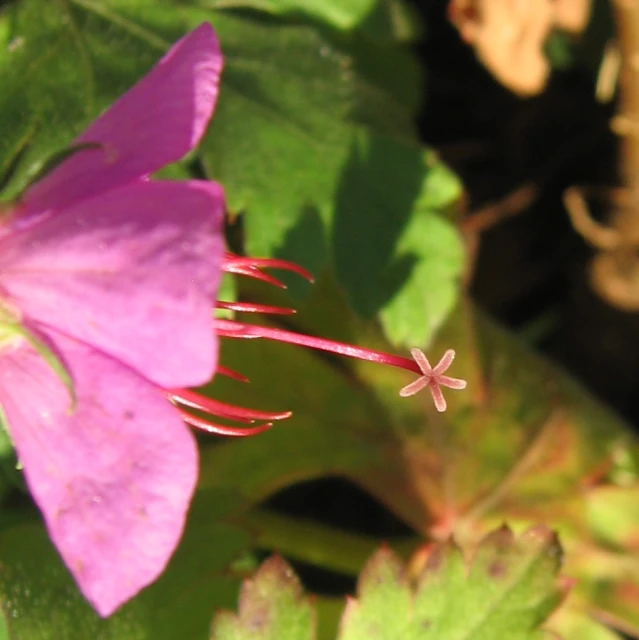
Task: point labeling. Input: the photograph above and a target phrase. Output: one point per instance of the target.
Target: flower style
(432, 378)
(106, 285)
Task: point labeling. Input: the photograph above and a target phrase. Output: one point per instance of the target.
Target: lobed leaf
(271, 607)
(507, 592)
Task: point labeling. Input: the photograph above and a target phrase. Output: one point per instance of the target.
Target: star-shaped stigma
(433, 378)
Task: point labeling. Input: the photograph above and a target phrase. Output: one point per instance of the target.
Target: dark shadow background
(531, 271)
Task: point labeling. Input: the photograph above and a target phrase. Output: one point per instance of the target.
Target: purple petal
(113, 478)
(156, 122)
(133, 272)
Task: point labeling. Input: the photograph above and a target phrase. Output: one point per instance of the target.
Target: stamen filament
(229, 373)
(232, 261)
(220, 429)
(255, 274)
(189, 398)
(252, 307)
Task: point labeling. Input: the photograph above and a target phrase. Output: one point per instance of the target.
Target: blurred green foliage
(506, 592)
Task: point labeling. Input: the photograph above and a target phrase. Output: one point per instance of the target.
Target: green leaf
(508, 591)
(271, 607)
(62, 64)
(383, 19)
(613, 515)
(572, 625)
(287, 144)
(40, 601)
(227, 292)
(383, 606)
(341, 14)
(10, 473)
(287, 120)
(417, 310)
(280, 134)
(393, 252)
(389, 86)
(559, 48)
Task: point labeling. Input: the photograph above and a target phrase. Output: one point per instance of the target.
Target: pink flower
(108, 279)
(107, 283)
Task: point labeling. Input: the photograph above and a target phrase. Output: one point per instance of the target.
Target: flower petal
(156, 122)
(133, 272)
(113, 478)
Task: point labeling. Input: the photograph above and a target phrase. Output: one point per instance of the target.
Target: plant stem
(316, 543)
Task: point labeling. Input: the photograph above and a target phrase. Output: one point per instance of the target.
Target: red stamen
(233, 261)
(222, 430)
(251, 307)
(236, 331)
(194, 400)
(254, 273)
(229, 373)
(232, 329)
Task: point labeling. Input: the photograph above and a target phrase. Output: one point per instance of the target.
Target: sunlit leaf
(342, 14)
(384, 19)
(271, 607)
(507, 592)
(394, 253)
(282, 119)
(582, 627)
